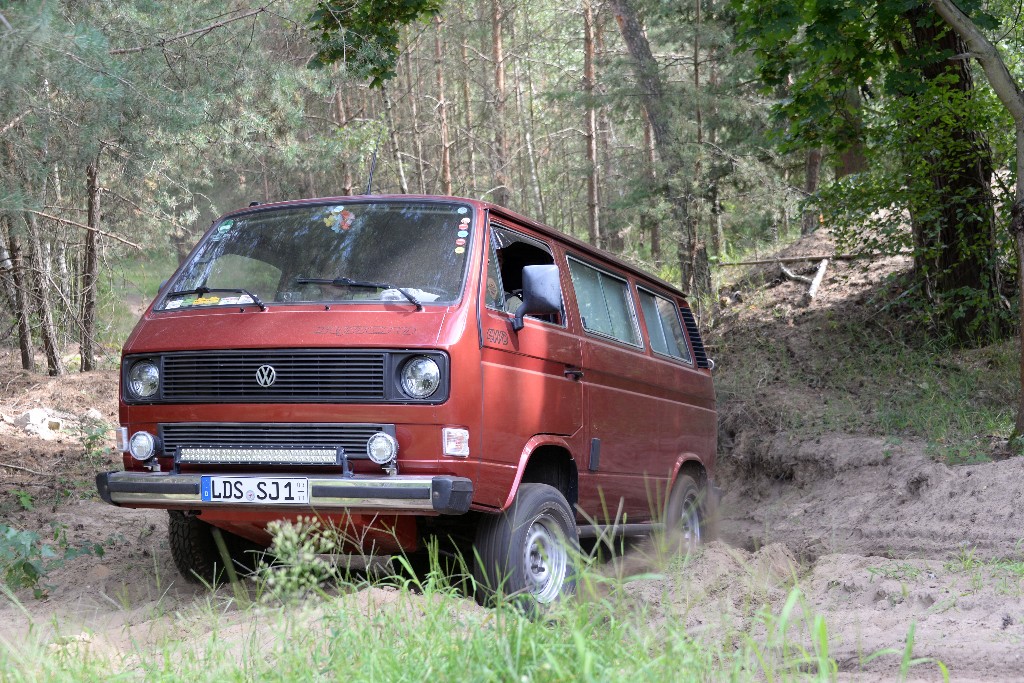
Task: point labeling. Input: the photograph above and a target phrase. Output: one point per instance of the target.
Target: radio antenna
(373, 163)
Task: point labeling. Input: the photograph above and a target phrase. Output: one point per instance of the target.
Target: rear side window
(663, 326)
(604, 301)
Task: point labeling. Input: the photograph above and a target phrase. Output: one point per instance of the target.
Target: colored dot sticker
(463, 233)
(460, 250)
(465, 221)
(463, 209)
(460, 242)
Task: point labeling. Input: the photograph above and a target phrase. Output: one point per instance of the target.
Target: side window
(511, 253)
(663, 326)
(495, 293)
(604, 302)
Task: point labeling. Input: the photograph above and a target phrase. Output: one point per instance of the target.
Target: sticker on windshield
(465, 221)
(206, 301)
(460, 242)
(460, 250)
(463, 233)
(222, 231)
(339, 219)
(463, 209)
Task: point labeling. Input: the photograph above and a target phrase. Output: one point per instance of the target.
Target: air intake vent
(700, 356)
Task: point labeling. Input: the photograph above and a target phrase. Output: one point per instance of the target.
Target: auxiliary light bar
(258, 456)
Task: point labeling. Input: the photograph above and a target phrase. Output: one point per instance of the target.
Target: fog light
(456, 442)
(381, 448)
(142, 445)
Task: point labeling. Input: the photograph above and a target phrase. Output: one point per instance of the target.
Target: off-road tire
(686, 515)
(528, 552)
(195, 551)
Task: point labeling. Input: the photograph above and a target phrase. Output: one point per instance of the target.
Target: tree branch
(187, 34)
(17, 119)
(65, 221)
(985, 52)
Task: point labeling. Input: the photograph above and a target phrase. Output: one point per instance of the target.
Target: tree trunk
(956, 238)
(389, 120)
(21, 301)
(467, 105)
(501, 194)
(694, 270)
(340, 120)
(852, 159)
(590, 131)
(1009, 93)
(417, 142)
(48, 331)
(442, 107)
(812, 173)
(652, 176)
(90, 270)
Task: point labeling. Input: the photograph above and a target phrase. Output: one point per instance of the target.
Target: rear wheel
(529, 551)
(196, 555)
(684, 515)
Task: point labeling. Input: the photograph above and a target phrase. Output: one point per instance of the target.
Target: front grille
(351, 437)
(307, 376)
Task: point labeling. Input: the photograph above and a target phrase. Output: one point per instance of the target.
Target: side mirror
(542, 293)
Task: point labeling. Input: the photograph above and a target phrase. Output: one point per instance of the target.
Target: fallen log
(787, 273)
(815, 283)
(801, 259)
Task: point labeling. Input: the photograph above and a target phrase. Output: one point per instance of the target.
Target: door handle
(573, 372)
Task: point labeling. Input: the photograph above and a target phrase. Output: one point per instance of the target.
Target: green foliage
(881, 82)
(25, 559)
(300, 565)
(364, 35)
(24, 499)
(95, 440)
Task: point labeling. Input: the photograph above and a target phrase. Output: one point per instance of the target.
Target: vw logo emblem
(266, 375)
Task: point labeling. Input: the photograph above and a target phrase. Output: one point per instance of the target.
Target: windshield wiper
(341, 281)
(207, 290)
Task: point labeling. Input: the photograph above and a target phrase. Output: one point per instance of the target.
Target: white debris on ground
(50, 424)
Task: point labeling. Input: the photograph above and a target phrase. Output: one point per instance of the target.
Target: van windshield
(409, 252)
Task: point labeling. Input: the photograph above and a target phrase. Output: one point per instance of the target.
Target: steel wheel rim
(545, 560)
(689, 524)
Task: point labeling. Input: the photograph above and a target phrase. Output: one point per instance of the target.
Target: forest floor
(883, 537)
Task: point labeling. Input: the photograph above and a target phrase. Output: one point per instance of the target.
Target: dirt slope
(862, 495)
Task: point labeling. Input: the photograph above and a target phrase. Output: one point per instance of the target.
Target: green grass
(340, 626)
(394, 634)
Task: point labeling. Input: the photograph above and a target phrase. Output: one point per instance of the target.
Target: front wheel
(195, 552)
(528, 551)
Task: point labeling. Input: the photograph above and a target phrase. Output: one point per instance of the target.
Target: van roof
(495, 209)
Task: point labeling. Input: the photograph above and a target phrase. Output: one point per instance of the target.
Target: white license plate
(256, 490)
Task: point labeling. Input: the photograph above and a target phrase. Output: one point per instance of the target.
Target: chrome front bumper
(404, 493)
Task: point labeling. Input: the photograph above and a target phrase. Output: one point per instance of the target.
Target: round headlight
(143, 379)
(381, 448)
(420, 377)
(142, 445)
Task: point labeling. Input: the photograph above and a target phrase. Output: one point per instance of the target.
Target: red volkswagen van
(412, 367)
